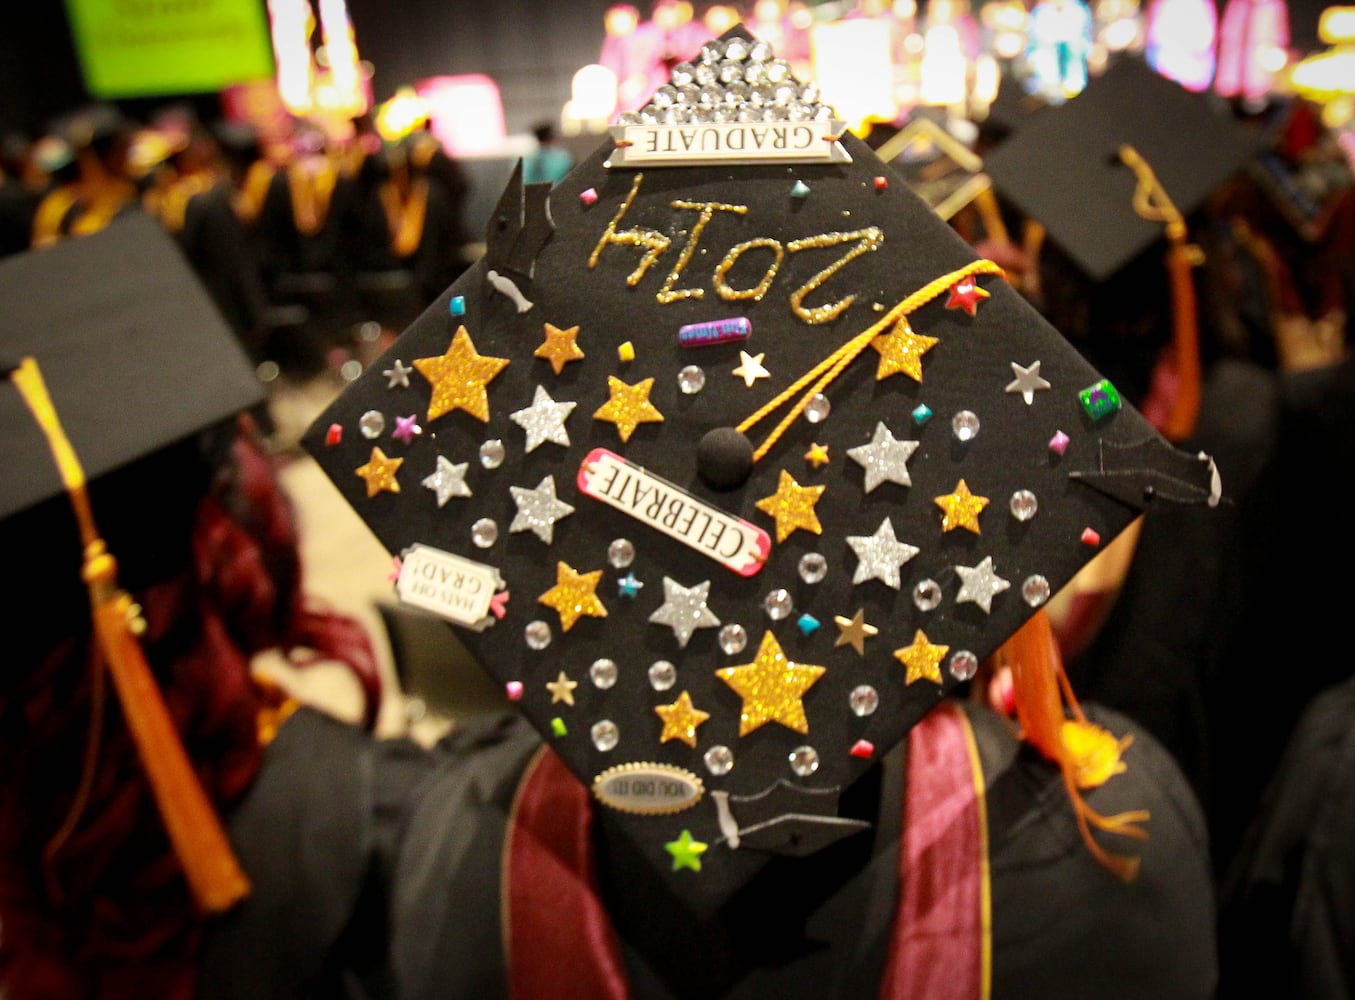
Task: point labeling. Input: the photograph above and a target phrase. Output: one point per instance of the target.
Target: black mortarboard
(720, 622)
(1063, 167)
(936, 164)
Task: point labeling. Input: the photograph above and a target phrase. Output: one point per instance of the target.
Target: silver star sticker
(980, 583)
(684, 609)
(448, 481)
(538, 510)
(544, 420)
(885, 459)
(880, 555)
(1027, 381)
(398, 375)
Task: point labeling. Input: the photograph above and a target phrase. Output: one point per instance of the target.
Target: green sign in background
(143, 48)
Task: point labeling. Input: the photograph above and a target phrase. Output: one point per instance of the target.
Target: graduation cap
(766, 469)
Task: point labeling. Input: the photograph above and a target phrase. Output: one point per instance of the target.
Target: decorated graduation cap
(730, 461)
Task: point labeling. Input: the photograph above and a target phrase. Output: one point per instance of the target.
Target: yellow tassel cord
(405, 203)
(195, 831)
(1086, 754)
(826, 371)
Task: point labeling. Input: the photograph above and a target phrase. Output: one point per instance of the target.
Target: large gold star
(574, 595)
(922, 659)
(772, 687)
(379, 472)
(459, 378)
(680, 720)
(559, 347)
(792, 505)
(854, 631)
(961, 509)
(901, 350)
(629, 406)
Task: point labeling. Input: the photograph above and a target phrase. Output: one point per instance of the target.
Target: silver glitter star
(398, 375)
(1027, 381)
(448, 481)
(979, 584)
(880, 555)
(538, 510)
(544, 420)
(684, 609)
(885, 459)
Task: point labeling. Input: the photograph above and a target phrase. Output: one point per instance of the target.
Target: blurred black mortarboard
(937, 165)
(711, 616)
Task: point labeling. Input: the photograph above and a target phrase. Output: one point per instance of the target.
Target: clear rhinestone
(371, 423)
(702, 115)
(778, 70)
(649, 115)
(719, 760)
(760, 51)
(737, 93)
(733, 639)
(926, 595)
(621, 553)
(754, 73)
(1024, 505)
(713, 51)
(712, 95)
(682, 73)
(484, 532)
(963, 665)
(492, 453)
(818, 408)
(628, 118)
(810, 93)
(965, 425)
(785, 93)
(603, 673)
(537, 634)
(804, 761)
(350, 370)
(748, 115)
(823, 113)
(705, 75)
(736, 48)
(689, 95)
(674, 115)
(665, 97)
(731, 71)
(721, 114)
(662, 675)
(762, 95)
(864, 700)
(1035, 590)
(692, 379)
(605, 734)
(813, 567)
(798, 113)
(778, 604)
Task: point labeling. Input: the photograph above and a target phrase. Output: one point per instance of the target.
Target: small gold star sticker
(680, 720)
(629, 406)
(771, 687)
(854, 631)
(459, 378)
(792, 505)
(817, 455)
(559, 347)
(562, 689)
(962, 509)
(379, 472)
(922, 659)
(574, 595)
(901, 350)
(750, 368)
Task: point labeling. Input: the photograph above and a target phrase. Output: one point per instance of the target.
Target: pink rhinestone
(1059, 442)
(1090, 536)
(514, 689)
(863, 748)
(588, 196)
(881, 183)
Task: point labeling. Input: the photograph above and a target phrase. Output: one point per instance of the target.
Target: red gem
(514, 690)
(966, 294)
(881, 183)
(1090, 537)
(863, 748)
(334, 435)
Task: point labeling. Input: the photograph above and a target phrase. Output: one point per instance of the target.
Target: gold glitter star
(680, 720)
(574, 595)
(379, 472)
(559, 347)
(901, 350)
(562, 689)
(629, 406)
(771, 687)
(922, 659)
(817, 455)
(459, 378)
(854, 631)
(792, 505)
(962, 509)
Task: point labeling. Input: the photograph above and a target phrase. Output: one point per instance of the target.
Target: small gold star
(574, 595)
(817, 455)
(559, 347)
(922, 659)
(854, 631)
(901, 350)
(379, 472)
(629, 406)
(680, 720)
(750, 368)
(962, 509)
(562, 689)
(792, 505)
(459, 378)
(771, 687)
